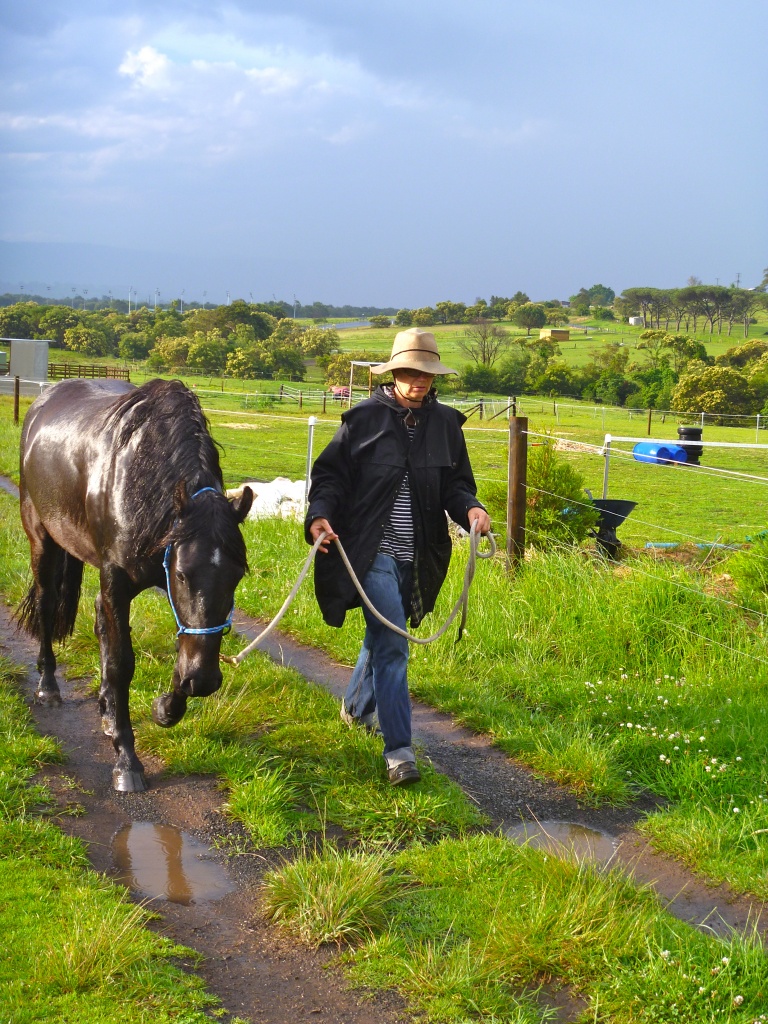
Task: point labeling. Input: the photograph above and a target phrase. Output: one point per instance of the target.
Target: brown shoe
(404, 773)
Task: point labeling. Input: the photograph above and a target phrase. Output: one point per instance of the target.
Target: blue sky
(388, 153)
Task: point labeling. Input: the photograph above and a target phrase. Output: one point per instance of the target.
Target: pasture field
(466, 925)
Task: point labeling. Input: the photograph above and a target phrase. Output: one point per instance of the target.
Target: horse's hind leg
(37, 613)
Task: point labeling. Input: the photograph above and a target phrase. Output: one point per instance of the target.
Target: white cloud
(146, 66)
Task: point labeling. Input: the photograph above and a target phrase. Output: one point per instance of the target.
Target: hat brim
(434, 367)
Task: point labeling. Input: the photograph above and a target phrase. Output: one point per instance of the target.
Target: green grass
(473, 928)
(561, 658)
(74, 947)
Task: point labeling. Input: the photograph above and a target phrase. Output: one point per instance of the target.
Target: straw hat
(414, 350)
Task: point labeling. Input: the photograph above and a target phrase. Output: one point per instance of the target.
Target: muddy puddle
(161, 862)
(565, 839)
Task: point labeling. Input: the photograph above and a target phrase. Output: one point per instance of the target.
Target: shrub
(557, 509)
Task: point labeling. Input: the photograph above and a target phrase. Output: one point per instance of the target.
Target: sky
(387, 152)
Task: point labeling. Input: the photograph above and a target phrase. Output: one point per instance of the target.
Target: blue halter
(166, 565)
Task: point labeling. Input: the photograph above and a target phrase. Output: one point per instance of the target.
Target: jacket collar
(384, 393)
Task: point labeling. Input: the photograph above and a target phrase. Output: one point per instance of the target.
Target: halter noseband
(207, 630)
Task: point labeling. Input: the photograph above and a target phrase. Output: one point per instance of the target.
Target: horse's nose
(201, 685)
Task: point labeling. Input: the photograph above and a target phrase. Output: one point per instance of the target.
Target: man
(395, 466)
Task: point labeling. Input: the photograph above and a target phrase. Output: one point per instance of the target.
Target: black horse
(128, 479)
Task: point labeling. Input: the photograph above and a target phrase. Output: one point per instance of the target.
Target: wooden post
(15, 400)
(324, 397)
(517, 475)
(301, 399)
(650, 411)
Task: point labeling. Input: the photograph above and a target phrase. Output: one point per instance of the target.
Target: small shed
(555, 333)
(635, 321)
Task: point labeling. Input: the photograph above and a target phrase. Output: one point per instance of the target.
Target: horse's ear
(180, 498)
(241, 505)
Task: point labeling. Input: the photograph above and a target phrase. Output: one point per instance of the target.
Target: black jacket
(354, 483)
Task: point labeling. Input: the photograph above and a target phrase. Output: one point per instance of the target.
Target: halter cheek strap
(166, 565)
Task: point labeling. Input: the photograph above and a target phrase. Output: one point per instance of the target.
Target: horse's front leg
(106, 695)
(117, 666)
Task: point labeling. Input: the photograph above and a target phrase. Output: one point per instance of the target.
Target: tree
(530, 315)
(16, 321)
(715, 389)
(450, 312)
(315, 341)
(602, 313)
(380, 321)
(169, 354)
(339, 366)
(555, 317)
(741, 355)
(57, 321)
(207, 352)
(403, 318)
(684, 350)
(134, 345)
(89, 340)
(653, 343)
(480, 378)
(636, 300)
(612, 358)
(484, 342)
(424, 317)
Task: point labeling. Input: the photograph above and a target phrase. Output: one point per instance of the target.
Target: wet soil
(255, 970)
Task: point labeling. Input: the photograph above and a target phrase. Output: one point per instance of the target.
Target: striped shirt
(398, 533)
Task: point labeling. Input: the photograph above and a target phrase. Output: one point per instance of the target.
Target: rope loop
(461, 604)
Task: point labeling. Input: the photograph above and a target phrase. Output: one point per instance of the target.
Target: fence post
(325, 395)
(482, 406)
(517, 474)
(311, 421)
(15, 400)
(649, 422)
(301, 399)
(757, 430)
(607, 455)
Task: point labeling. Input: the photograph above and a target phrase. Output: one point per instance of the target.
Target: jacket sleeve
(459, 487)
(330, 481)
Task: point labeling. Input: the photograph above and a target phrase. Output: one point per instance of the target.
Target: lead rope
(469, 572)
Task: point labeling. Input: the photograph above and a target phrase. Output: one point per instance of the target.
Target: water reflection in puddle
(564, 839)
(162, 862)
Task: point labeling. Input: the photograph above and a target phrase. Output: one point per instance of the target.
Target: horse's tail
(67, 583)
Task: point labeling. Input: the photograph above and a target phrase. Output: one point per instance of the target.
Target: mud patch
(162, 862)
(565, 839)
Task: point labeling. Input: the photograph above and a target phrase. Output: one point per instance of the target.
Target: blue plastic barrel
(659, 454)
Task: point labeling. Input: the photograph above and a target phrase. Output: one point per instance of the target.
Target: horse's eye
(180, 577)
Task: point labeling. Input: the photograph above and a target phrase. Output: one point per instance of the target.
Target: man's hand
(481, 517)
(316, 527)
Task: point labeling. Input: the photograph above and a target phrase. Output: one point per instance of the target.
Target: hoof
(51, 698)
(126, 781)
(168, 709)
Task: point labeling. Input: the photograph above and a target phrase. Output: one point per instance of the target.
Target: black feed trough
(613, 512)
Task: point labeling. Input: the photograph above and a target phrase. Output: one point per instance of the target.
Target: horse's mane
(163, 421)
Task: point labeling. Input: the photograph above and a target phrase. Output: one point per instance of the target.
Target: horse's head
(204, 561)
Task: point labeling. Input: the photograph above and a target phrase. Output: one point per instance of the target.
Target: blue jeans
(380, 678)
